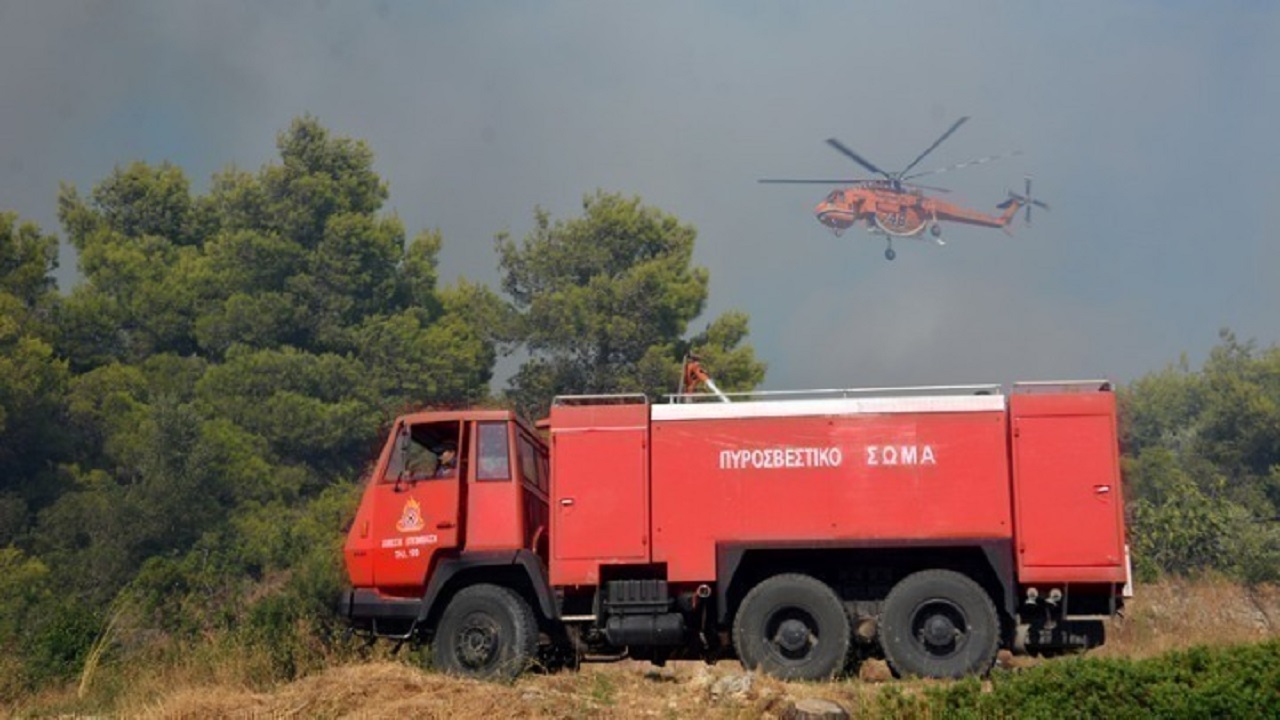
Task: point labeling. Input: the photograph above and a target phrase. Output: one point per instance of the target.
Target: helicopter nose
(833, 217)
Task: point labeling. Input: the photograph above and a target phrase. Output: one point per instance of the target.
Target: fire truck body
(796, 531)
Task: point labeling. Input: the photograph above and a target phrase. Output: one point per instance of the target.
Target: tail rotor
(1025, 200)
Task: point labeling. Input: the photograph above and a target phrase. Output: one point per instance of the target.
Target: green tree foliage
(191, 419)
(294, 256)
(24, 591)
(32, 378)
(1175, 525)
(27, 259)
(605, 301)
(1202, 463)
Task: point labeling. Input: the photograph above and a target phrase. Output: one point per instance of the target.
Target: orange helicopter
(898, 208)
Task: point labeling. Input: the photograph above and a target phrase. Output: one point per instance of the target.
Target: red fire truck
(799, 532)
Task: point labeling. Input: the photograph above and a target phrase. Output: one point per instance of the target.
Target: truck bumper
(367, 609)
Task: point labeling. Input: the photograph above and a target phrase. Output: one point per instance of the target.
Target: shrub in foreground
(1241, 681)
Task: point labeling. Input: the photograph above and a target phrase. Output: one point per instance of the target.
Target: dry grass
(1180, 613)
(394, 690)
(217, 682)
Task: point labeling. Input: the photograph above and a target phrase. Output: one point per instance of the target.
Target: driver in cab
(447, 463)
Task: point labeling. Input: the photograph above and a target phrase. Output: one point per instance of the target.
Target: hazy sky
(1151, 128)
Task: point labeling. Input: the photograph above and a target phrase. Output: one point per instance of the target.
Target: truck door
(416, 513)
(600, 503)
(1067, 486)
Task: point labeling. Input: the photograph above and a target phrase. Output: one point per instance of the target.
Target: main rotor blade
(790, 181)
(856, 157)
(967, 163)
(935, 144)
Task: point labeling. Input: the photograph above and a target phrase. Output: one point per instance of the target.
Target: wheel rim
(477, 641)
(940, 628)
(791, 635)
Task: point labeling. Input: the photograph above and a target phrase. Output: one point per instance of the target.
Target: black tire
(487, 631)
(889, 254)
(792, 627)
(939, 624)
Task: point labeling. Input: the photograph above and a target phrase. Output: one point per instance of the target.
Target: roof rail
(766, 395)
(611, 399)
(1035, 386)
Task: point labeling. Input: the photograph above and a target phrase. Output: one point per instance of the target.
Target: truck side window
(493, 462)
(530, 468)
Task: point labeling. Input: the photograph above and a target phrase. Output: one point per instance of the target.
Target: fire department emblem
(411, 517)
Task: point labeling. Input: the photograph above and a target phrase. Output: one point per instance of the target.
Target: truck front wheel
(939, 624)
(792, 627)
(487, 631)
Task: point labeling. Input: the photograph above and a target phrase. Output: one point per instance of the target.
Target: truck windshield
(423, 452)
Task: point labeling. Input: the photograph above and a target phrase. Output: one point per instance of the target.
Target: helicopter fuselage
(900, 213)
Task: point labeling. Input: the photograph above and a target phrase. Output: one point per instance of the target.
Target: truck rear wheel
(939, 624)
(792, 627)
(487, 631)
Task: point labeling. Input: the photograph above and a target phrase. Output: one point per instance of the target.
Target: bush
(1239, 681)
(58, 648)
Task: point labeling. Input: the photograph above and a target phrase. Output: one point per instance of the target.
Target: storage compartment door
(1067, 491)
(601, 501)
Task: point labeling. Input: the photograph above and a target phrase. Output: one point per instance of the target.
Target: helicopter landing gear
(889, 254)
(935, 230)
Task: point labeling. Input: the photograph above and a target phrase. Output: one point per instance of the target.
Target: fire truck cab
(799, 532)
